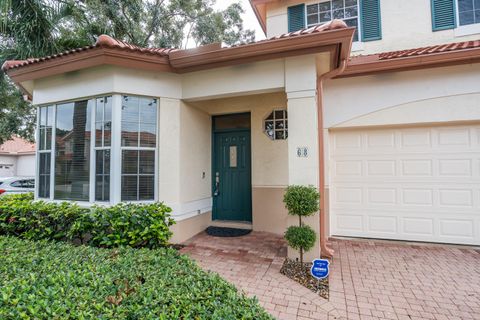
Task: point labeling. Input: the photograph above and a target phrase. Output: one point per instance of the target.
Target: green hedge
(55, 280)
(135, 225)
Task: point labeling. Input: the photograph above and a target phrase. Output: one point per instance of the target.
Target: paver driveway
(369, 279)
(252, 263)
(394, 280)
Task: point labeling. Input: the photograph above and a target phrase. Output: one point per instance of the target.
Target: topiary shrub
(301, 201)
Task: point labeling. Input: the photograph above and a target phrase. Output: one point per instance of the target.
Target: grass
(50, 280)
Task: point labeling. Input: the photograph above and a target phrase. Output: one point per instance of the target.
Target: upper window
(468, 12)
(346, 10)
(276, 125)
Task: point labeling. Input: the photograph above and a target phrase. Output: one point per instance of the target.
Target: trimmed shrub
(300, 237)
(55, 280)
(301, 201)
(134, 225)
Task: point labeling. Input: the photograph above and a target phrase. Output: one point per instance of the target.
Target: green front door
(232, 184)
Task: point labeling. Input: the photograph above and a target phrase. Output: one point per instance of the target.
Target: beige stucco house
(389, 134)
(17, 158)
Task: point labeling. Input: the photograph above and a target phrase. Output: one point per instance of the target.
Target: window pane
(337, 4)
(44, 175)
(146, 191)
(129, 134)
(312, 19)
(466, 17)
(313, 8)
(147, 162)
(465, 5)
(325, 16)
(130, 162)
(349, 3)
(129, 188)
(232, 121)
(338, 14)
(324, 6)
(72, 161)
(98, 134)
(351, 12)
(102, 188)
(148, 135)
(148, 110)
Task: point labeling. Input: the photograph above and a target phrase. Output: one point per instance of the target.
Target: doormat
(227, 232)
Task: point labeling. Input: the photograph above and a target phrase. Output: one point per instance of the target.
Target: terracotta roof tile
(16, 146)
(105, 41)
(430, 50)
(441, 48)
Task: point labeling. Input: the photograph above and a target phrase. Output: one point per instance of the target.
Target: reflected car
(16, 185)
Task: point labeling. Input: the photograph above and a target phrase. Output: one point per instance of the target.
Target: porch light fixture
(275, 126)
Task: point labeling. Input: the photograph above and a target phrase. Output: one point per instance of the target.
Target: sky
(249, 19)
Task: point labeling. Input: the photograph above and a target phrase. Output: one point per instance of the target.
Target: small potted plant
(301, 201)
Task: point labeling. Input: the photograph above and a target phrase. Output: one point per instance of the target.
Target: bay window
(77, 141)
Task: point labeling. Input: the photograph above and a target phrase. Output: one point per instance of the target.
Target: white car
(16, 185)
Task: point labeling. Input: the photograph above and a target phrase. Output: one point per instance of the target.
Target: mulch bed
(301, 274)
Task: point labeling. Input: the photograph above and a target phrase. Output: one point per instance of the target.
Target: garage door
(419, 184)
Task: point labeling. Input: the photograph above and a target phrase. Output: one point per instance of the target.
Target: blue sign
(320, 269)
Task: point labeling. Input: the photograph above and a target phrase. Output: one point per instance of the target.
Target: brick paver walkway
(369, 279)
(394, 280)
(252, 263)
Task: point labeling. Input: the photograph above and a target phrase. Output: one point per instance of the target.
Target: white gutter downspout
(324, 249)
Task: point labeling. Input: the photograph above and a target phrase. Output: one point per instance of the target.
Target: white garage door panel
(409, 184)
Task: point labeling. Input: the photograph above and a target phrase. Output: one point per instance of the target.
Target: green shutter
(370, 20)
(443, 14)
(296, 18)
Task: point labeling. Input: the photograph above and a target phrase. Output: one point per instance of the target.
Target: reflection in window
(44, 150)
(276, 125)
(139, 127)
(72, 146)
(468, 12)
(346, 10)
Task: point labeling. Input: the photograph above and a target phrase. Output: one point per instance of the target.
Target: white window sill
(358, 46)
(467, 30)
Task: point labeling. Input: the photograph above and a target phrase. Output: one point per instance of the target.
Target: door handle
(216, 192)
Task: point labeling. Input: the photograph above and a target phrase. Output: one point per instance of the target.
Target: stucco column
(302, 135)
(169, 152)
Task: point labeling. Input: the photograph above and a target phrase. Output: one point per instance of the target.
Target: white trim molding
(185, 210)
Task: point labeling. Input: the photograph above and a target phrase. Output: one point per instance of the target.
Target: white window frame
(356, 45)
(122, 148)
(466, 30)
(115, 152)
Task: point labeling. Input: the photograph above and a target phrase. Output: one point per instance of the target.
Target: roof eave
(360, 68)
(339, 40)
(90, 58)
